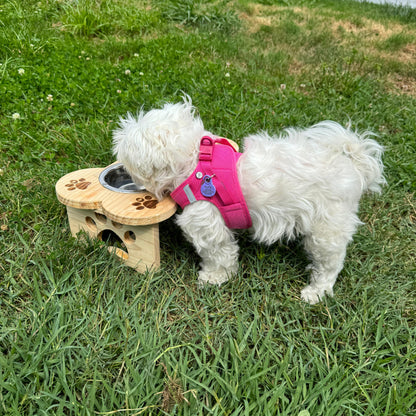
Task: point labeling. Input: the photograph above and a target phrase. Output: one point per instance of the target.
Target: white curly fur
(303, 183)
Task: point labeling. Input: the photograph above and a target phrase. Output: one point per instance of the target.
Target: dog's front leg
(205, 228)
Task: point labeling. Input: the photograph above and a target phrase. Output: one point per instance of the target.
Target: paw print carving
(145, 202)
(78, 184)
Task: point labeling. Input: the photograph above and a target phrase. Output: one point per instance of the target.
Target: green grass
(82, 334)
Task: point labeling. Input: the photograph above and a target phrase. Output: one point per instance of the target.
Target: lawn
(83, 334)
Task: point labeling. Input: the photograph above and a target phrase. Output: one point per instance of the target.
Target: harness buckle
(206, 148)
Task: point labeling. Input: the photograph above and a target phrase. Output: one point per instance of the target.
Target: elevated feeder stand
(105, 202)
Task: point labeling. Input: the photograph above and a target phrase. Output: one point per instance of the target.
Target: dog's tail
(364, 151)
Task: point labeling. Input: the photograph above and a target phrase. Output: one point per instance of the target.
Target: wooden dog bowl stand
(132, 217)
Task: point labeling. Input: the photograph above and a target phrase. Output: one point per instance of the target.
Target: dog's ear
(123, 133)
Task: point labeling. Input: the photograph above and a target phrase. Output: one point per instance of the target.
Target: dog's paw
(313, 294)
(212, 278)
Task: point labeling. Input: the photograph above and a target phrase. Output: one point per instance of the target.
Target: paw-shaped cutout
(78, 184)
(145, 202)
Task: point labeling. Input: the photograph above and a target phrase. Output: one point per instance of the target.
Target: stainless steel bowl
(116, 178)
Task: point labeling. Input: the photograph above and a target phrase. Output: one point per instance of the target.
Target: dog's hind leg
(327, 247)
(204, 227)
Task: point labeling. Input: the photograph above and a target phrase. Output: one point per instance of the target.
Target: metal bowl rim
(106, 185)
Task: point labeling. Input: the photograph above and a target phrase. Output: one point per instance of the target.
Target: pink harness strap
(215, 180)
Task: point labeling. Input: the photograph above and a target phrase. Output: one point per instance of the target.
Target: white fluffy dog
(303, 183)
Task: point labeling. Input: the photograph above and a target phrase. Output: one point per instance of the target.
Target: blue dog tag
(207, 187)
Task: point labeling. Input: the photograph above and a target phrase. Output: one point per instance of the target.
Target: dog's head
(159, 148)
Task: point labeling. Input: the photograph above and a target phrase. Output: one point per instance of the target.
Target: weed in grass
(83, 18)
(211, 16)
(104, 18)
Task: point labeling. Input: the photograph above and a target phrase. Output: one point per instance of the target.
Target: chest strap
(215, 180)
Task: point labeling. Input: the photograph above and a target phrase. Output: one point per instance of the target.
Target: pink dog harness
(215, 180)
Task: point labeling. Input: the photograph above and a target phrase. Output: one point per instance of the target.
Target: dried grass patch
(255, 19)
(368, 30)
(402, 84)
(364, 35)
